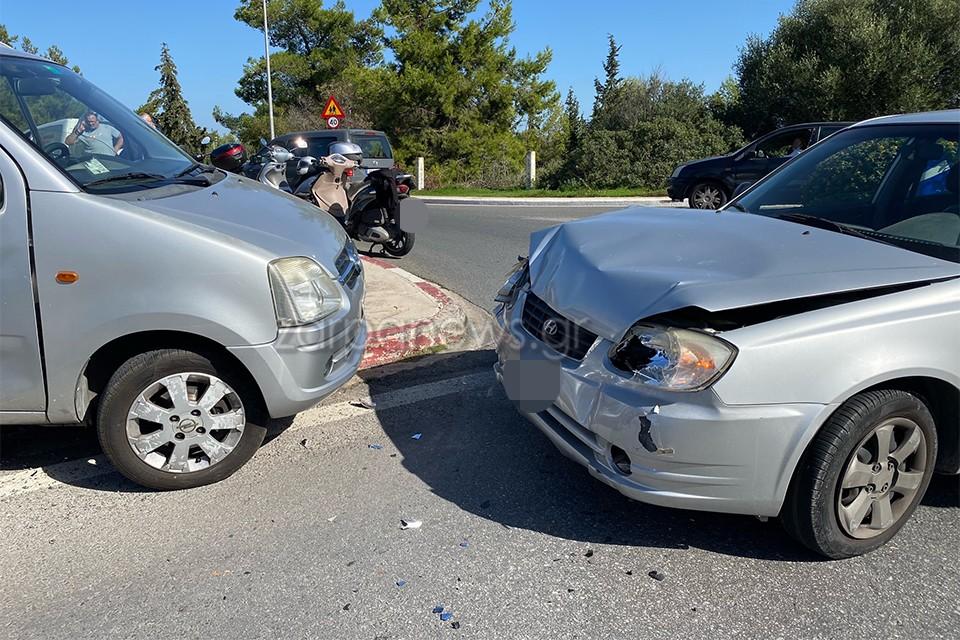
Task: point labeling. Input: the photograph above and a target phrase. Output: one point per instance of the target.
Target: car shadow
(64, 453)
(477, 452)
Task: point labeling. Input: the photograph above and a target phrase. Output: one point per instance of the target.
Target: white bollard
(531, 169)
(421, 177)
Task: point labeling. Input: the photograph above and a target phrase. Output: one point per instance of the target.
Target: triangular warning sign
(333, 109)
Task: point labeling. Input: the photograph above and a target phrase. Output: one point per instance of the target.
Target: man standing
(95, 137)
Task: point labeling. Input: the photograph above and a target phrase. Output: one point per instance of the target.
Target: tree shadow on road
(477, 452)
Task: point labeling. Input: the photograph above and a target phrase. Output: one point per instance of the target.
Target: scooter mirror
(263, 142)
(205, 141)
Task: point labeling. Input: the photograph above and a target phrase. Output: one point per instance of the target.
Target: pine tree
(169, 108)
(606, 90)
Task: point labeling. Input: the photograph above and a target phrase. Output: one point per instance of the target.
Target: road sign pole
(266, 54)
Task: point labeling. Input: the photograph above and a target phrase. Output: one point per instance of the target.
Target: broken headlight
(516, 278)
(675, 359)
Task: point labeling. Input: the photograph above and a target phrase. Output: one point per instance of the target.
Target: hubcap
(882, 478)
(185, 422)
(707, 197)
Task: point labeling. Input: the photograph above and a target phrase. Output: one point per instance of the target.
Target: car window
(374, 146)
(783, 145)
(894, 183)
(113, 150)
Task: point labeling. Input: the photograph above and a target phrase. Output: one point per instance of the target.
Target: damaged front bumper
(686, 450)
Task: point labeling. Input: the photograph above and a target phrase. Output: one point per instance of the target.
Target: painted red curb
(446, 325)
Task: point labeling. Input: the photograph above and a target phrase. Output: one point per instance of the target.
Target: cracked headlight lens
(675, 359)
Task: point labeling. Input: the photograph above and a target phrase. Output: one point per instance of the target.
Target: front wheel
(172, 419)
(863, 474)
(707, 195)
(401, 246)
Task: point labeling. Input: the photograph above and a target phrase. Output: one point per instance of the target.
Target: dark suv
(377, 153)
(709, 183)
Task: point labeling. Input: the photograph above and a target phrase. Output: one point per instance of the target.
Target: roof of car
(325, 132)
(948, 116)
(7, 50)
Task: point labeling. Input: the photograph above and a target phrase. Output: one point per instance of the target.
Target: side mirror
(263, 142)
(740, 188)
(204, 141)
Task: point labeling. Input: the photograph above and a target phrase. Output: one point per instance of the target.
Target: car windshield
(890, 183)
(97, 141)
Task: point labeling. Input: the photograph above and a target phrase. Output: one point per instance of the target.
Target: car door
(22, 386)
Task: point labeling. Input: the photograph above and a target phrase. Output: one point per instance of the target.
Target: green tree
(457, 93)
(169, 108)
(850, 60)
(606, 91)
(26, 45)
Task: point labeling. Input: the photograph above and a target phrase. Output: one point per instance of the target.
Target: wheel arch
(108, 358)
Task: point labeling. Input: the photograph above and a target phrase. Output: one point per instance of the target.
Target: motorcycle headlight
(516, 278)
(670, 358)
(302, 291)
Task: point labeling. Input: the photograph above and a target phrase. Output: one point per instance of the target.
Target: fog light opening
(621, 461)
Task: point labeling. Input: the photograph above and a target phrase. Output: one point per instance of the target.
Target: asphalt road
(516, 541)
(469, 248)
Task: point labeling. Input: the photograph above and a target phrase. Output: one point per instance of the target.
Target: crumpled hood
(609, 271)
(266, 220)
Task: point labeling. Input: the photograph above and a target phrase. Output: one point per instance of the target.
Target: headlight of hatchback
(675, 359)
(516, 278)
(302, 291)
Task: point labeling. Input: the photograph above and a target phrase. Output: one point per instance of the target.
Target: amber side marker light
(67, 277)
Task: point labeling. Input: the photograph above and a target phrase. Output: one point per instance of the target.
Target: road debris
(455, 624)
(446, 616)
(417, 436)
(464, 544)
(401, 583)
(438, 609)
(365, 403)
(410, 524)
(656, 575)
(331, 518)
(375, 446)
(305, 443)
(346, 607)
(588, 554)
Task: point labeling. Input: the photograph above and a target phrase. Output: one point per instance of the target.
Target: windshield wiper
(204, 168)
(738, 207)
(126, 176)
(830, 225)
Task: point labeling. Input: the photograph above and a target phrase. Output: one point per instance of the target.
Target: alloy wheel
(707, 197)
(882, 478)
(185, 422)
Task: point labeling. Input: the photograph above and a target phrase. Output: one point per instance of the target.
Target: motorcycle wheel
(401, 246)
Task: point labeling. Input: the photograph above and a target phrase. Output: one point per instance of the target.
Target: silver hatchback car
(795, 354)
(172, 305)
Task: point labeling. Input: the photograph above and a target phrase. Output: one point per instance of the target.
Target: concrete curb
(551, 202)
(447, 325)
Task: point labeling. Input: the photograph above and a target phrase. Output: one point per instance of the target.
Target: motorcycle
(370, 211)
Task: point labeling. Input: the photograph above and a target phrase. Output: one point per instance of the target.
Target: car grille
(551, 328)
(348, 266)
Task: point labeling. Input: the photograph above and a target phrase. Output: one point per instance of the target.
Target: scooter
(269, 166)
(370, 212)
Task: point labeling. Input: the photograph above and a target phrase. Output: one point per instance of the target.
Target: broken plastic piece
(410, 524)
(464, 544)
(417, 436)
(331, 518)
(656, 575)
(589, 553)
(304, 443)
(438, 609)
(446, 616)
(455, 624)
(375, 446)
(400, 583)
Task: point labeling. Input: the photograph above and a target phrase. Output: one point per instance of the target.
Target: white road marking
(77, 471)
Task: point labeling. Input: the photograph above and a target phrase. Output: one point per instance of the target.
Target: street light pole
(266, 53)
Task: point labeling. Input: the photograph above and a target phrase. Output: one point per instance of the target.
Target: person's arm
(118, 143)
(75, 134)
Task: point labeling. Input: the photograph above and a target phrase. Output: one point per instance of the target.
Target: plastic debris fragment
(656, 575)
(365, 403)
(464, 544)
(331, 518)
(446, 616)
(305, 443)
(588, 554)
(438, 609)
(375, 446)
(417, 436)
(410, 524)
(401, 583)
(455, 624)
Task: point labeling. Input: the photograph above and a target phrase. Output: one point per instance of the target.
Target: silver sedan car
(795, 354)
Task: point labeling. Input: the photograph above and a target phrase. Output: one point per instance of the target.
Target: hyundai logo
(550, 327)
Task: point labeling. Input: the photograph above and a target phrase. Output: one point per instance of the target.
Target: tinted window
(783, 144)
(374, 146)
(898, 184)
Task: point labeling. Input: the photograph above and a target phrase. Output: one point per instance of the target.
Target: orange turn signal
(67, 277)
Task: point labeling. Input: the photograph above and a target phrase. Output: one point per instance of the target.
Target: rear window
(374, 145)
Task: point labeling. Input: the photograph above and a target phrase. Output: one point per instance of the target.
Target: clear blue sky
(119, 48)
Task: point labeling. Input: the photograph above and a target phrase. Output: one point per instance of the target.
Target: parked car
(796, 354)
(377, 153)
(710, 183)
(172, 305)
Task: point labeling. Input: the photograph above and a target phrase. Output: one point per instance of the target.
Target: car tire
(161, 425)
(707, 195)
(847, 498)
